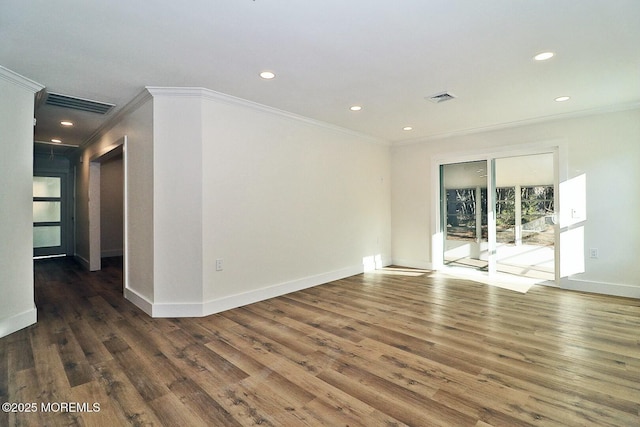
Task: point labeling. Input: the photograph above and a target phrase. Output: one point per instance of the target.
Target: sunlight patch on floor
(500, 280)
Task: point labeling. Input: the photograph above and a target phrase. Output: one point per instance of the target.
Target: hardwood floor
(378, 349)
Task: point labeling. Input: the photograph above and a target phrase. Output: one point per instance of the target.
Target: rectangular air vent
(65, 101)
(441, 97)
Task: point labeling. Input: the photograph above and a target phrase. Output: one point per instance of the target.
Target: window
(461, 213)
(534, 217)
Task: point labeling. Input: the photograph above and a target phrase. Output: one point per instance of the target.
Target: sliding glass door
(525, 216)
(498, 215)
(464, 214)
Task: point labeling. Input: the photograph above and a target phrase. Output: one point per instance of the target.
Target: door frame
(119, 146)
(559, 150)
(66, 213)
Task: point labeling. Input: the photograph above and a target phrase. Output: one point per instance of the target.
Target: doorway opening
(108, 209)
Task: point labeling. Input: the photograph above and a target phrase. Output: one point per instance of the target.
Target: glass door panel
(46, 236)
(464, 213)
(525, 216)
(48, 216)
(46, 211)
(47, 186)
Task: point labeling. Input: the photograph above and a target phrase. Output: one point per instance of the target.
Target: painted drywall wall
(111, 207)
(288, 202)
(17, 307)
(177, 200)
(602, 149)
(284, 202)
(136, 123)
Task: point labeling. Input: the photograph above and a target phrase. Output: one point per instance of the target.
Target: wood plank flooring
(390, 348)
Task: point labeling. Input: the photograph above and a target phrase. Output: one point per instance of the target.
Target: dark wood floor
(377, 349)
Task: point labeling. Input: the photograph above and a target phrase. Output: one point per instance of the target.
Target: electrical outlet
(593, 253)
(219, 264)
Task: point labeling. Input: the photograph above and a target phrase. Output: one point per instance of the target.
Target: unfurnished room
(320, 213)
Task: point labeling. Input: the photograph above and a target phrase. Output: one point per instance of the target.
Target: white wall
(177, 202)
(284, 201)
(288, 203)
(603, 148)
(17, 308)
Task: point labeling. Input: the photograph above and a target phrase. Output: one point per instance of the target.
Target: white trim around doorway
(94, 263)
(559, 149)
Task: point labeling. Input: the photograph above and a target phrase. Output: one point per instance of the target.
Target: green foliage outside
(537, 205)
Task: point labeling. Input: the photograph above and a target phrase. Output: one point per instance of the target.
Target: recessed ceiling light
(66, 123)
(543, 56)
(56, 140)
(562, 98)
(355, 108)
(267, 75)
(407, 128)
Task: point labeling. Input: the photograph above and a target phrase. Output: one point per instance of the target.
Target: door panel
(525, 188)
(48, 215)
(46, 236)
(46, 211)
(464, 209)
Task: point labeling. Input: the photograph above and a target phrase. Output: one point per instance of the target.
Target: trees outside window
(536, 212)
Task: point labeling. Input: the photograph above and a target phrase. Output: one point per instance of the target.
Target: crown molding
(19, 80)
(131, 106)
(212, 95)
(517, 123)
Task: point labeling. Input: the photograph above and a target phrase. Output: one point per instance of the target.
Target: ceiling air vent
(65, 101)
(441, 97)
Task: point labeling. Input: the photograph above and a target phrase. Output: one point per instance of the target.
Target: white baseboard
(139, 301)
(410, 263)
(218, 305)
(614, 289)
(82, 261)
(250, 297)
(206, 308)
(18, 321)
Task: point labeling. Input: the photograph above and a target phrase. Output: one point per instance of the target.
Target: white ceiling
(330, 54)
